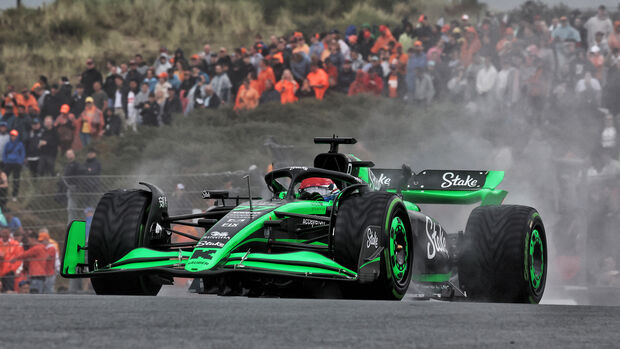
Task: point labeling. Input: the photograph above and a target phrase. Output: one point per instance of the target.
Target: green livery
(359, 234)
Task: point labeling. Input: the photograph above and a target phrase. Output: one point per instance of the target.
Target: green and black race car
(339, 229)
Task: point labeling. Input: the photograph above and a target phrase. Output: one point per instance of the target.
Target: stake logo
(452, 180)
(380, 182)
(436, 239)
(372, 239)
(163, 202)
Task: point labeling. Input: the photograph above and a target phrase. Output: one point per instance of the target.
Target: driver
(318, 186)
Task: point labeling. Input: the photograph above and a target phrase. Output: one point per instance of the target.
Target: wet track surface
(192, 321)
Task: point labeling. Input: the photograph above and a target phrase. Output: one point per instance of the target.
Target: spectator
(316, 46)
(13, 158)
(609, 141)
(141, 97)
(172, 105)
(265, 73)
(113, 123)
(119, 100)
(470, 46)
(382, 41)
(601, 42)
(48, 147)
(270, 94)
(35, 259)
(52, 263)
(221, 84)
(374, 82)
(424, 90)
(597, 60)
(22, 123)
(205, 97)
(4, 134)
(588, 90)
(318, 79)
(162, 65)
(485, 79)
(12, 222)
(99, 97)
(598, 23)
(565, 31)
(150, 111)
(65, 128)
(345, 77)
(26, 98)
(287, 87)
(357, 62)
(90, 123)
(131, 111)
(141, 66)
(359, 84)
(78, 100)
(9, 250)
(300, 66)
(33, 152)
(133, 74)
(247, 97)
(89, 77)
(162, 87)
(109, 85)
(151, 79)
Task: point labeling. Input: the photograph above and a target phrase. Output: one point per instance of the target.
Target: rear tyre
(504, 255)
(116, 229)
(387, 212)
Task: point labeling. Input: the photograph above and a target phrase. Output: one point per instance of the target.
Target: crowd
(496, 63)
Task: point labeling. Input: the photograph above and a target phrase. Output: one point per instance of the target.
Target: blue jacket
(14, 152)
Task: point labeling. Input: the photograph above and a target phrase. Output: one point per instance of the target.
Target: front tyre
(385, 213)
(117, 228)
(504, 255)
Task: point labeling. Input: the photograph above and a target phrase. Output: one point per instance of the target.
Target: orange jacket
(287, 91)
(263, 76)
(613, 40)
(10, 250)
(382, 41)
(29, 102)
(35, 259)
(469, 49)
(246, 98)
(316, 79)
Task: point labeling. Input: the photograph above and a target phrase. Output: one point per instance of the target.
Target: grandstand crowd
(494, 63)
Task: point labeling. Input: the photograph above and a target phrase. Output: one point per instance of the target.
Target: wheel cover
(536, 259)
(399, 249)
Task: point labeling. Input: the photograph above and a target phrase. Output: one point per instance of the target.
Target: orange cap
(417, 43)
(195, 56)
(163, 75)
(65, 108)
(14, 133)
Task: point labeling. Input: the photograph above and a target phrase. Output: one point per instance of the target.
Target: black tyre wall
(355, 214)
(116, 229)
(493, 263)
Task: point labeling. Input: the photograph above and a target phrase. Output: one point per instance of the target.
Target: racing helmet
(324, 187)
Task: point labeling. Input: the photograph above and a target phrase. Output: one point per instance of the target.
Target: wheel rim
(536, 259)
(399, 249)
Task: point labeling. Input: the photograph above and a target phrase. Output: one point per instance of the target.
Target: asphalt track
(180, 320)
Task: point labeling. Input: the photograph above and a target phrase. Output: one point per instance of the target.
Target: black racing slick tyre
(116, 229)
(386, 214)
(504, 255)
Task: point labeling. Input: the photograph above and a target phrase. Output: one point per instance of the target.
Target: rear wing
(438, 186)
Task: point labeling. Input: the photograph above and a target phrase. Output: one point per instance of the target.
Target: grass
(55, 40)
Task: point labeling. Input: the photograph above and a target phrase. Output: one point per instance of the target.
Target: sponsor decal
(312, 222)
(372, 238)
(436, 239)
(377, 183)
(254, 207)
(298, 168)
(230, 225)
(220, 235)
(163, 202)
(452, 180)
(204, 254)
(206, 243)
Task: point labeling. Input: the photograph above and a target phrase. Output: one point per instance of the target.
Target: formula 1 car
(339, 229)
